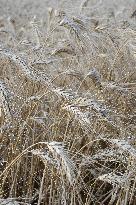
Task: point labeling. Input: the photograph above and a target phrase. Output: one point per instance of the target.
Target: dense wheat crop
(68, 102)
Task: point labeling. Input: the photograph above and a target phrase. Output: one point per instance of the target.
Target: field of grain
(68, 102)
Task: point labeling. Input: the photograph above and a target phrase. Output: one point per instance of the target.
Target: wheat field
(68, 102)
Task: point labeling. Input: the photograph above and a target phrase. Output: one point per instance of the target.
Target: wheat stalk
(5, 101)
(60, 153)
(83, 4)
(112, 86)
(114, 179)
(64, 50)
(11, 201)
(95, 77)
(61, 158)
(111, 155)
(71, 25)
(36, 32)
(92, 111)
(23, 67)
(79, 115)
(124, 145)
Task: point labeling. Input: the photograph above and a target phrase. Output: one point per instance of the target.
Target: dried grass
(67, 105)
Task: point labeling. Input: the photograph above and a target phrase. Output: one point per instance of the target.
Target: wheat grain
(68, 165)
(24, 68)
(125, 146)
(60, 156)
(9, 202)
(95, 77)
(75, 85)
(114, 179)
